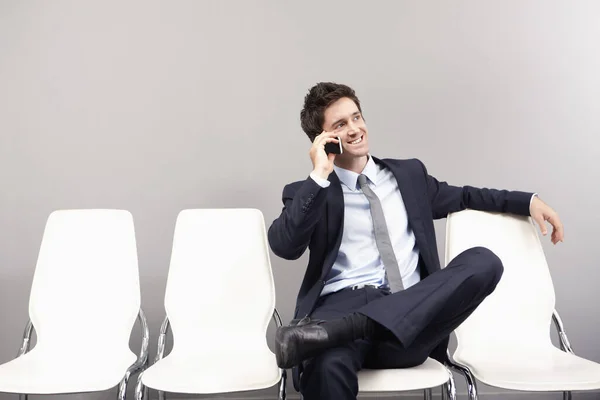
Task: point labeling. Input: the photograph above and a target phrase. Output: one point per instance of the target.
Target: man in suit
(373, 294)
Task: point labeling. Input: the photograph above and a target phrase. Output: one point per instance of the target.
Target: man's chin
(353, 155)
(359, 154)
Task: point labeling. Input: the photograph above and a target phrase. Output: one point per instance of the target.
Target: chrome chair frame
(448, 389)
(140, 363)
(141, 391)
(565, 346)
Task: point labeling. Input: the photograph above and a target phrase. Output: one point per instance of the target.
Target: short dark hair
(319, 97)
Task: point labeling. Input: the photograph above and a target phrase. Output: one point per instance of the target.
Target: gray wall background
(160, 106)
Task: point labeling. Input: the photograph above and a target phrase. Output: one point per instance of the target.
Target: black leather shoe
(296, 343)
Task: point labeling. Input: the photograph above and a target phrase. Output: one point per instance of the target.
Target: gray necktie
(382, 237)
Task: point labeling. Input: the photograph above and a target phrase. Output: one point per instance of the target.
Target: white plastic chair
(219, 299)
(506, 342)
(84, 300)
(424, 377)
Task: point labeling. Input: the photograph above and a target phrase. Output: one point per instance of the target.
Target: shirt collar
(350, 178)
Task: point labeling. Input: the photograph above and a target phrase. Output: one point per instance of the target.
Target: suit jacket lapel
(335, 220)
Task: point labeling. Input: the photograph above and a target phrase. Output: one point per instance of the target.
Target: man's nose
(353, 129)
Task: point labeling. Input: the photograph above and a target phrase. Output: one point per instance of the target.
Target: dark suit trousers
(417, 320)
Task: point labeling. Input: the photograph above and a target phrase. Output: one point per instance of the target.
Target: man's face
(344, 119)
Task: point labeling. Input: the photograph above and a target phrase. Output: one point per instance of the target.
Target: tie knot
(362, 180)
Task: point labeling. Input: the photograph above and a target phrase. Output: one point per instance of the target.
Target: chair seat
(213, 372)
(547, 369)
(427, 375)
(43, 372)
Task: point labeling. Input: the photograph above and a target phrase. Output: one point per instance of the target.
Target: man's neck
(355, 164)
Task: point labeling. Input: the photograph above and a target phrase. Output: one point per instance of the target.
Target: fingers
(542, 224)
(558, 233)
(323, 162)
(329, 134)
(540, 212)
(554, 238)
(324, 136)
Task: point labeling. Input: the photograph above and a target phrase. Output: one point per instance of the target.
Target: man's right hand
(322, 162)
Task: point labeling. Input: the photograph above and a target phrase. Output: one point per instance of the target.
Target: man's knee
(487, 265)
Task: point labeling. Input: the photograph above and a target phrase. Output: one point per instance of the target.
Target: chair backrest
(85, 294)
(220, 290)
(518, 313)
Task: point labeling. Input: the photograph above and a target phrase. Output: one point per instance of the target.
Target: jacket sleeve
(446, 199)
(303, 206)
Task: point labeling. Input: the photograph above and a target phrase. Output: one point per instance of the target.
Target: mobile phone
(335, 148)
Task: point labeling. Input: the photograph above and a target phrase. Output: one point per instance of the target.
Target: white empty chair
(219, 299)
(84, 300)
(506, 342)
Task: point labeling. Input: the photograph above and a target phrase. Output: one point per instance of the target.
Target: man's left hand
(541, 212)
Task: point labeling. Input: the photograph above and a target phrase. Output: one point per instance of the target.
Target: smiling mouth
(357, 141)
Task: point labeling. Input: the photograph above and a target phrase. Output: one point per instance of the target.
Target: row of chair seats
(220, 298)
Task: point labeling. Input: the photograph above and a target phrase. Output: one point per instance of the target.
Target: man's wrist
(319, 179)
(323, 174)
(533, 196)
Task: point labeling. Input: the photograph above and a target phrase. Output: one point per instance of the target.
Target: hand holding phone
(323, 151)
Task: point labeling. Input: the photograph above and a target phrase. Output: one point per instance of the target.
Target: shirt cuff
(532, 197)
(320, 181)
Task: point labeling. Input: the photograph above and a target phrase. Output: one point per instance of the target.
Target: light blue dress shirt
(358, 261)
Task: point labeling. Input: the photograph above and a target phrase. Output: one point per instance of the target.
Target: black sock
(352, 327)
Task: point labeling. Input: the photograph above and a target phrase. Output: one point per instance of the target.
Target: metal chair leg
(122, 391)
(471, 382)
(162, 341)
(25, 348)
(142, 361)
(565, 345)
(449, 388)
(471, 385)
(141, 391)
(428, 394)
(282, 395)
